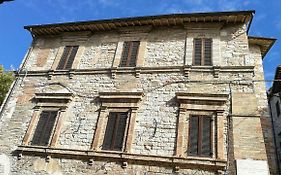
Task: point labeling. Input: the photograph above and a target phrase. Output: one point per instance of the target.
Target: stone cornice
(216, 70)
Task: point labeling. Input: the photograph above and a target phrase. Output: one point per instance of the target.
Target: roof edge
(146, 17)
(265, 43)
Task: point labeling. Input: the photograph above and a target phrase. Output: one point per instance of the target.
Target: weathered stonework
(162, 92)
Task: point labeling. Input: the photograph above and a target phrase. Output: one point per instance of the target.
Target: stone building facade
(170, 94)
(274, 102)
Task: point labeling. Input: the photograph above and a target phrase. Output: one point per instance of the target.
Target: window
(115, 131)
(200, 136)
(202, 52)
(129, 54)
(44, 128)
(67, 57)
(277, 106)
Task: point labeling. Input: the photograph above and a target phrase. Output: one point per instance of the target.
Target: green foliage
(6, 79)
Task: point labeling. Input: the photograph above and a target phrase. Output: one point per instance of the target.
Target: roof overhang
(264, 43)
(276, 87)
(159, 20)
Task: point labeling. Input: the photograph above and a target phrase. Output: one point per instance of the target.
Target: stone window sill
(209, 163)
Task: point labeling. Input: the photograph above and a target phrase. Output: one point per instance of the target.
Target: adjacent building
(274, 101)
(168, 94)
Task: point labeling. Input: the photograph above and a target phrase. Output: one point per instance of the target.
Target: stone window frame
(70, 39)
(69, 57)
(117, 102)
(131, 34)
(203, 30)
(48, 101)
(75, 61)
(212, 130)
(201, 104)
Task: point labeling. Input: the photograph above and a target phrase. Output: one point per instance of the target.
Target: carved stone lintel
(216, 71)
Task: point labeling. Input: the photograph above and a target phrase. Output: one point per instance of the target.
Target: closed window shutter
(44, 128)
(67, 57)
(129, 54)
(193, 136)
(121, 126)
(206, 136)
(115, 131)
(125, 53)
(71, 57)
(108, 137)
(208, 52)
(64, 57)
(134, 53)
(197, 51)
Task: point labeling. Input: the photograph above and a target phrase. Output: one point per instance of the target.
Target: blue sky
(14, 40)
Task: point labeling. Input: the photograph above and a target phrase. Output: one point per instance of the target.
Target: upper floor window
(115, 131)
(129, 54)
(67, 57)
(202, 52)
(44, 128)
(200, 136)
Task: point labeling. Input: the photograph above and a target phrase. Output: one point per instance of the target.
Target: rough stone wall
(266, 124)
(155, 128)
(234, 45)
(165, 47)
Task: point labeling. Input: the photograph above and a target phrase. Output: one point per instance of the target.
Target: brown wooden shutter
(44, 128)
(67, 57)
(125, 53)
(193, 136)
(207, 51)
(115, 131)
(121, 126)
(206, 149)
(64, 57)
(108, 137)
(71, 57)
(197, 51)
(134, 53)
(129, 54)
